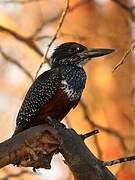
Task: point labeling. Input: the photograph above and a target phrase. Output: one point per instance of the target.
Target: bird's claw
(17, 161)
(54, 122)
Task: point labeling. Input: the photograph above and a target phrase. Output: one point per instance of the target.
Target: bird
(58, 90)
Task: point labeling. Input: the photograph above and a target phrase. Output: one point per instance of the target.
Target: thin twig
(91, 133)
(118, 161)
(15, 62)
(63, 15)
(124, 57)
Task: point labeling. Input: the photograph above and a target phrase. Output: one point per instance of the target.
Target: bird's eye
(74, 49)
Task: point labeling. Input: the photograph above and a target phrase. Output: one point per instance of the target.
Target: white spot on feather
(64, 82)
(67, 89)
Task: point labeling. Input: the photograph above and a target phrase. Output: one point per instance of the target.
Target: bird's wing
(41, 91)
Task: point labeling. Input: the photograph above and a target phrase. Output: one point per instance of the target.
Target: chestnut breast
(58, 106)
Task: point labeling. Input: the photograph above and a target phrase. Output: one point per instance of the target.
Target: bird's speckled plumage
(73, 81)
(43, 90)
(39, 93)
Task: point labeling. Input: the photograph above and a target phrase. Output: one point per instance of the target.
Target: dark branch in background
(129, 9)
(55, 35)
(23, 39)
(15, 62)
(105, 129)
(35, 147)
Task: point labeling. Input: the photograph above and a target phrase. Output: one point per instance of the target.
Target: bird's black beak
(96, 52)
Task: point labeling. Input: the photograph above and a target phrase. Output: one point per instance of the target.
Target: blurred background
(108, 101)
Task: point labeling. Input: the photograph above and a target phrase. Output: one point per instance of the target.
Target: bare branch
(35, 147)
(124, 57)
(118, 161)
(23, 39)
(55, 35)
(15, 62)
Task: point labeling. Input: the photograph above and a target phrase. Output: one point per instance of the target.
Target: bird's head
(75, 53)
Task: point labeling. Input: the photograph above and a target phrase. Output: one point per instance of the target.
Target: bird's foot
(17, 161)
(51, 121)
(55, 123)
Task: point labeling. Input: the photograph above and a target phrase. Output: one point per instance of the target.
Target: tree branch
(118, 161)
(36, 146)
(31, 148)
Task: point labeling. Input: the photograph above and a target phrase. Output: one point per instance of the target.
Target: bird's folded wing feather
(41, 91)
